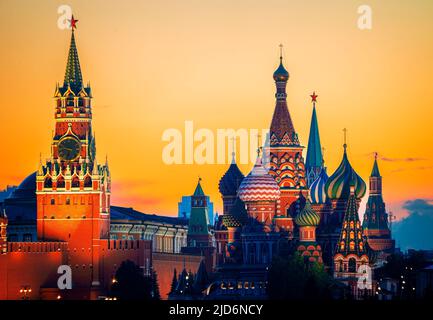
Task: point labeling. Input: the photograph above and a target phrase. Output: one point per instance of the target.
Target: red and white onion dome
(258, 185)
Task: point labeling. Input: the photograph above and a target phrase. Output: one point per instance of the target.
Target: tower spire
(345, 139)
(314, 161)
(375, 172)
(282, 129)
(73, 76)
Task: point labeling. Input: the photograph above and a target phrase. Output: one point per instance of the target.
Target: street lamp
(25, 290)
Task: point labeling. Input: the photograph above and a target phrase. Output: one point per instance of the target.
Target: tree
(173, 282)
(294, 278)
(155, 286)
(130, 283)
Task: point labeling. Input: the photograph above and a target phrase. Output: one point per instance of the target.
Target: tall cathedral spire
(282, 129)
(314, 162)
(73, 76)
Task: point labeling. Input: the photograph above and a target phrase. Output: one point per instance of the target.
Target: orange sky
(155, 64)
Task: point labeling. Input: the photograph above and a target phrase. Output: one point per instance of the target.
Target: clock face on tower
(69, 149)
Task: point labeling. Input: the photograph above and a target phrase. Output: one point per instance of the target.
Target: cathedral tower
(72, 189)
(352, 251)
(286, 163)
(375, 218)
(314, 162)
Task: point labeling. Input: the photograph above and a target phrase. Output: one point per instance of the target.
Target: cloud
(389, 159)
(416, 168)
(416, 230)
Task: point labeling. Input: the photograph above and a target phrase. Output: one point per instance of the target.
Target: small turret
(3, 231)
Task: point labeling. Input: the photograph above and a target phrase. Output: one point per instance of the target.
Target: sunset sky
(155, 64)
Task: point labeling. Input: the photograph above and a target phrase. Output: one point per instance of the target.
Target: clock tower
(73, 190)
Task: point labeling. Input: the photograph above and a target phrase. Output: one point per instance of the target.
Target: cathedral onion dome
(281, 74)
(338, 184)
(230, 181)
(258, 185)
(317, 188)
(307, 216)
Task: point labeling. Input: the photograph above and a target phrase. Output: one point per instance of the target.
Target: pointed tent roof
(73, 75)
(375, 172)
(351, 232)
(198, 190)
(314, 150)
(201, 278)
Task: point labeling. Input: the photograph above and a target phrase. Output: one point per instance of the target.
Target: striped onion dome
(307, 216)
(317, 188)
(258, 185)
(338, 184)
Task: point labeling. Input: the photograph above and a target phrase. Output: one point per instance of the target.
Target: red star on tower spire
(73, 23)
(314, 97)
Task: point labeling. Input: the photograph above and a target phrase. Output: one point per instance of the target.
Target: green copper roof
(314, 150)
(198, 190)
(338, 184)
(375, 172)
(73, 75)
(307, 216)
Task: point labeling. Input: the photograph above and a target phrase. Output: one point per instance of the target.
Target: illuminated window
(352, 235)
(352, 245)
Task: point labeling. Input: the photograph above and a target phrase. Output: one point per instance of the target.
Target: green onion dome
(338, 184)
(307, 216)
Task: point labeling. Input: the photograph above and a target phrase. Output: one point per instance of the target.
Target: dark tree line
(130, 283)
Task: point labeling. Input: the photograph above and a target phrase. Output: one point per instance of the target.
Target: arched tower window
(75, 182)
(48, 182)
(60, 182)
(87, 182)
(352, 265)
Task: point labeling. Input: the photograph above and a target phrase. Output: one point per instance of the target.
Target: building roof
(258, 185)
(375, 172)
(130, 214)
(73, 76)
(317, 188)
(198, 189)
(351, 235)
(338, 184)
(282, 131)
(230, 181)
(308, 216)
(314, 150)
